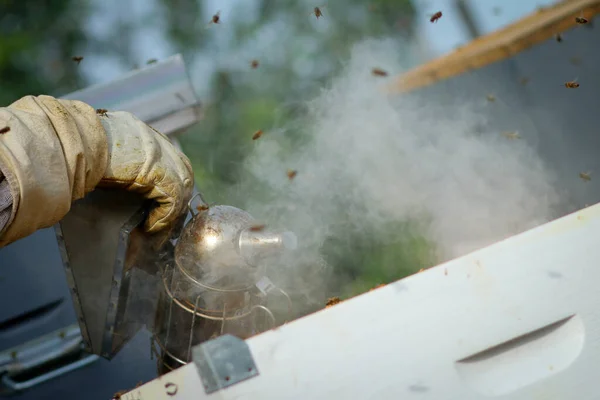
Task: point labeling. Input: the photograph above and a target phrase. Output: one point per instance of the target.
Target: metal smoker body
(211, 282)
(215, 283)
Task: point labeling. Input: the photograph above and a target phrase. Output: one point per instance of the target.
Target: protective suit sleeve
(52, 152)
(5, 202)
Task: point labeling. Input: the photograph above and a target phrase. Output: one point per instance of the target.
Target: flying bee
(317, 11)
(332, 301)
(585, 176)
(581, 20)
(378, 72)
(119, 394)
(524, 81)
(257, 228)
(202, 207)
(151, 61)
(4, 130)
(575, 61)
(77, 59)
(572, 84)
(257, 134)
(435, 17)
(491, 98)
(512, 135)
(558, 37)
(254, 64)
(102, 112)
(216, 18)
(291, 174)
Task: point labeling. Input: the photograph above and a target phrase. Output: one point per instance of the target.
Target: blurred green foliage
(362, 261)
(37, 42)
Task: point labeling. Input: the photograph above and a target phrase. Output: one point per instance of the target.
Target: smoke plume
(370, 159)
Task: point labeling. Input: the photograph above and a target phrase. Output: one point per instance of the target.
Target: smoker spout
(256, 246)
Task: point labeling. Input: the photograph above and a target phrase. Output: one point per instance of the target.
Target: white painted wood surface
(406, 340)
(160, 94)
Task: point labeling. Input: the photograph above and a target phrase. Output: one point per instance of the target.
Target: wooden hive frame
(525, 33)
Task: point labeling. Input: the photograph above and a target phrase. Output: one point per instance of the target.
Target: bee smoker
(215, 284)
(211, 282)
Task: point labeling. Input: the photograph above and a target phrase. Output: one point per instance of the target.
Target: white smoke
(372, 158)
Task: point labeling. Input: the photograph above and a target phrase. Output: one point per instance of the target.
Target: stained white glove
(56, 151)
(143, 160)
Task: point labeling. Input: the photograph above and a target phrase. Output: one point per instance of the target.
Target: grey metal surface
(28, 365)
(560, 124)
(159, 94)
(101, 379)
(33, 290)
(223, 362)
(94, 240)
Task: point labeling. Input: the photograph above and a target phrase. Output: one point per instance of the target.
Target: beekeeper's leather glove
(57, 151)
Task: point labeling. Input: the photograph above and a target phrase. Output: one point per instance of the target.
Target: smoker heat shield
(98, 238)
(104, 256)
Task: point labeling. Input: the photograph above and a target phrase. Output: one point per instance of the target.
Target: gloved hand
(57, 151)
(143, 160)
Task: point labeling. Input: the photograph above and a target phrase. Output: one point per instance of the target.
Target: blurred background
(253, 70)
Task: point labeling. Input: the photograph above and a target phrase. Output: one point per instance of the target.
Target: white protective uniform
(57, 151)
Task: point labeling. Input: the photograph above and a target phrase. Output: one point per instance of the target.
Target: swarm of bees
(435, 17)
(4, 130)
(378, 72)
(572, 84)
(257, 134)
(77, 59)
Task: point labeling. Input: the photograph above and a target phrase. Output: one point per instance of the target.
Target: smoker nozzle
(258, 246)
